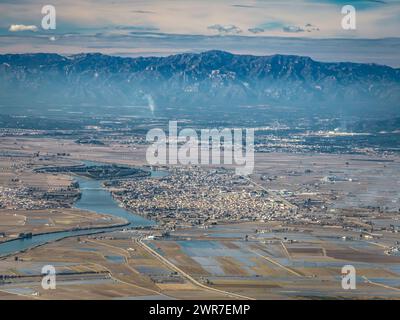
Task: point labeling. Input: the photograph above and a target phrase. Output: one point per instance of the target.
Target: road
(189, 277)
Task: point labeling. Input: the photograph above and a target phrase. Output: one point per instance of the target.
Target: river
(94, 198)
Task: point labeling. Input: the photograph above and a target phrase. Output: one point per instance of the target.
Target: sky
(162, 27)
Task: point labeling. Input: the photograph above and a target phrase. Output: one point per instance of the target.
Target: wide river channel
(94, 198)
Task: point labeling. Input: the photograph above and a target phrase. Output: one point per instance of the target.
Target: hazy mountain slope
(212, 78)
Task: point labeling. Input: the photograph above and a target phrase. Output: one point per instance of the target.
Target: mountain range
(216, 79)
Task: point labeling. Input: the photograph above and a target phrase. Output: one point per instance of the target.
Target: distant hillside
(214, 79)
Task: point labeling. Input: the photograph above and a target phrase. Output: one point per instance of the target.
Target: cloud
(143, 11)
(309, 27)
(271, 25)
(292, 29)
(22, 27)
(242, 6)
(375, 19)
(225, 28)
(138, 28)
(296, 29)
(256, 30)
(360, 4)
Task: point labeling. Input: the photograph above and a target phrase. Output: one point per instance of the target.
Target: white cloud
(256, 30)
(225, 28)
(22, 27)
(194, 16)
(293, 29)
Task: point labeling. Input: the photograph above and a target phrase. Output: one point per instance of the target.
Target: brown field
(14, 222)
(282, 262)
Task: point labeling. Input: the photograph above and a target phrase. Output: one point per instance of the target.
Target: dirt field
(348, 215)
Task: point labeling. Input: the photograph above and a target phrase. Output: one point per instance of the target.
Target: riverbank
(94, 199)
(100, 230)
(18, 224)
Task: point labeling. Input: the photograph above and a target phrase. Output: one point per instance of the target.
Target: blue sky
(160, 27)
